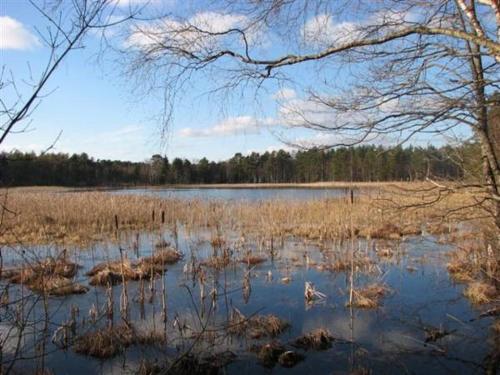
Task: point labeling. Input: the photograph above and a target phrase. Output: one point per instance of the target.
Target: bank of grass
(39, 216)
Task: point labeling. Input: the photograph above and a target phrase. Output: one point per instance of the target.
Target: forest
(361, 163)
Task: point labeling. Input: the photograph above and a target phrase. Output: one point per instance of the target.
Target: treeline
(362, 163)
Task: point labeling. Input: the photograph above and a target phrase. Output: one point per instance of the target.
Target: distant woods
(362, 163)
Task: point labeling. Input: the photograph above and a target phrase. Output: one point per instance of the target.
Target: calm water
(387, 340)
(249, 194)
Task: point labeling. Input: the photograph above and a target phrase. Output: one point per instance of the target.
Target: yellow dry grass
(480, 292)
(48, 216)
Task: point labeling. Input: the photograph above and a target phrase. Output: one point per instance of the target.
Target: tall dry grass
(45, 216)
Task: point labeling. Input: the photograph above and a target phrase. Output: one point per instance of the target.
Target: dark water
(387, 340)
(248, 194)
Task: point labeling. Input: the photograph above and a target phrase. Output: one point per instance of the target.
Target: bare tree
(397, 69)
(67, 23)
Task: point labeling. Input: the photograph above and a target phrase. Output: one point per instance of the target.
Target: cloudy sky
(94, 108)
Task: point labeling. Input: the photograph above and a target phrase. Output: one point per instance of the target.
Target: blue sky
(101, 113)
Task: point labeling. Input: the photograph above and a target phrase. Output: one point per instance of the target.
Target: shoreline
(287, 185)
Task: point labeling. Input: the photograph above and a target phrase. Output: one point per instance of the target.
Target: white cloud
(194, 34)
(230, 126)
(14, 35)
(284, 94)
(322, 30)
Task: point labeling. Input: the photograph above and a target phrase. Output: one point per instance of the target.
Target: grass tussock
(269, 354)
(257, 326)
(290, 358)
(51, 276)
(192, 364)
(318, 339)
(108, 342)
(104, 343)
(114, 272)
(480, 292)
(368, 297)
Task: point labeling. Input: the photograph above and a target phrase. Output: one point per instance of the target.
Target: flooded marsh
(203, 286)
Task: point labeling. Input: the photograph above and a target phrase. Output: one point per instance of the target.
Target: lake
(247, 194)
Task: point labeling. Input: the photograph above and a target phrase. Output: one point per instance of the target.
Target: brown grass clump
(52, 276)
(256, 326)
(114, 272)
(496, 326)
(290, 358)
(108, 342)
(164, 256)
(269, 354)
(147, 367)
(479, 292)
(368, 297)
(460, 271)
(58, 286)
(104, 343)
(60, 267)
(217, 262)
(192, 364)
(253, 259)
(318, 339)
(386, 231)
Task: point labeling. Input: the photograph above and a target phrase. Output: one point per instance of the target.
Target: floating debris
(318, 339)
(311, 294)
(286, 279)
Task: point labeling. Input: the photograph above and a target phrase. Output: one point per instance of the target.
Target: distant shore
(289, 185)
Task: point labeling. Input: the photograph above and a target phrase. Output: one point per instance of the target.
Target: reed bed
(37, 217)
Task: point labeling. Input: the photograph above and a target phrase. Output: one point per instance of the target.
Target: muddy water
(389, 339)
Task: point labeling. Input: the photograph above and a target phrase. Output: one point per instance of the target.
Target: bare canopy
(374, 68)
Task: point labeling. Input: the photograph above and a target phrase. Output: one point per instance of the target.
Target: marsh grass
(114, 272)
(318, 339)
(84, 217)
(481, 292)
(369, 297)
(52, 276)
(257, 326)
